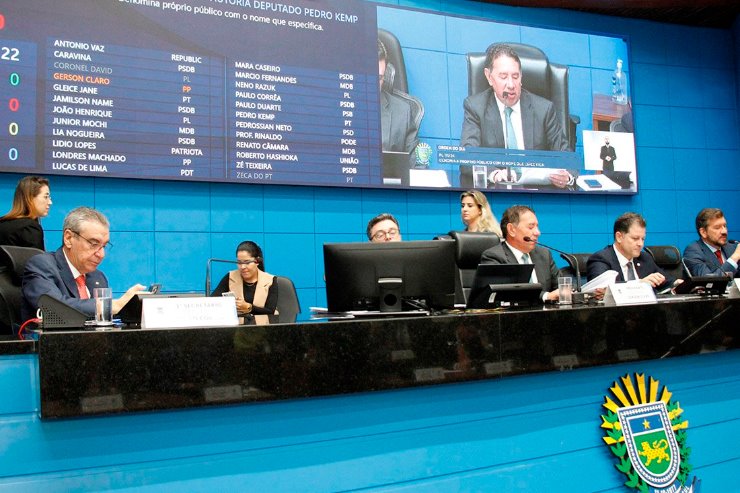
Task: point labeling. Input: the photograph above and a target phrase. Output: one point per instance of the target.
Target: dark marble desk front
(85, 373)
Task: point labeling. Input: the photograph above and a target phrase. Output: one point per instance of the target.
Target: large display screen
(314, 92)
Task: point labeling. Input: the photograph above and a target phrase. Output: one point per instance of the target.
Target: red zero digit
(14, 104)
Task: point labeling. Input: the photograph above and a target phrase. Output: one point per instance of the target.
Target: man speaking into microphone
(521, 231)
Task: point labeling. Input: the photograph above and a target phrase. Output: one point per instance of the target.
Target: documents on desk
(163, 313)
(601, 281)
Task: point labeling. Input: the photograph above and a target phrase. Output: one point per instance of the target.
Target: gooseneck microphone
(734, 242)
(208, 271)
(569, 257)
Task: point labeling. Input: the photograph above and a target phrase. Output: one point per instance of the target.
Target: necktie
(510, 135)
(631, 272)
(81, 288)
(718, 253)
(527, 260)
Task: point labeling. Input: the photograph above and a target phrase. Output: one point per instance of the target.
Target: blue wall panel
(527, 433)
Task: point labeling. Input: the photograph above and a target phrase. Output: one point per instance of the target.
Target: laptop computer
(496, 285)
(706, 285)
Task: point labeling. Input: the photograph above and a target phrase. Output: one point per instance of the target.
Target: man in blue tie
(508, 116)
(521, 230)
(626, 257)
(712, 254)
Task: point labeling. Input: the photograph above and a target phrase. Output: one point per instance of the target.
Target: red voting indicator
(2, 21)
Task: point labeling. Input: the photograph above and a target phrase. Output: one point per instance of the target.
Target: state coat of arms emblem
(647, 433)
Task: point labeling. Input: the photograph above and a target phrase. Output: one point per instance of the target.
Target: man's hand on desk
(655, 279)
(561, 178)
(121, 302)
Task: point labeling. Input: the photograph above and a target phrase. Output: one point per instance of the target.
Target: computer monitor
(496, 285)
(391, 276)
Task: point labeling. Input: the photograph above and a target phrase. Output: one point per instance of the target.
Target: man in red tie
(712, 254)
(71, 272)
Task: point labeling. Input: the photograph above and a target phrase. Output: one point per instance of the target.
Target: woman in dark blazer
(21, 226)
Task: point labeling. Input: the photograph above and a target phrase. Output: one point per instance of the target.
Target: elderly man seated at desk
(71, 272)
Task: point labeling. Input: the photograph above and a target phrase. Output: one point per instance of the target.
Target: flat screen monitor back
(382, 276)
(513, 279)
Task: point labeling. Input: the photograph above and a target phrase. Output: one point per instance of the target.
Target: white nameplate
(162, 313)
(628, 293)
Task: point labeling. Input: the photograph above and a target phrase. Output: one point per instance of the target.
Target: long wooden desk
(88, 373)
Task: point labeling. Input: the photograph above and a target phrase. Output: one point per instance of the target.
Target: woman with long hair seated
(21, 226)
(476, 214)
(255, 291)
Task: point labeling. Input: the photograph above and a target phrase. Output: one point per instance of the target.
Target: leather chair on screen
(395, 80)
(469, 247)
(12, 264)
(288, 305)
(570, 270)
(668, 258)
(539, 76)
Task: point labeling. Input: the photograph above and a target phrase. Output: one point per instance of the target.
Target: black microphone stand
(208, 271)
(567, 256)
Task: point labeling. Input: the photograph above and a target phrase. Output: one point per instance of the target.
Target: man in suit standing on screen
(711, 254)
(71, 273)
(521, 231)
(508, 116)
(607, 156)
(626, 257)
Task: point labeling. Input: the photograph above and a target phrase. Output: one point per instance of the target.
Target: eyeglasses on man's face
(383, 234)
(95, 245)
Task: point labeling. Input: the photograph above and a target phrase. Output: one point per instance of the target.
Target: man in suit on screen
(521, 230)
(508, 116)
(711, 254)
(607, 156)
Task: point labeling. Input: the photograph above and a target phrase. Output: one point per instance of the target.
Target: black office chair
(398, 80)
(288, 305)
(12, 264)
(570, 270)
(469, 247)
(668, 258)
(539, 76)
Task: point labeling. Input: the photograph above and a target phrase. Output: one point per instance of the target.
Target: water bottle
(619, 84)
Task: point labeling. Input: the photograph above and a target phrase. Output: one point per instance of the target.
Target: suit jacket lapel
(614, 261)
(495, 134)
(66, 274)
(527, 121)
